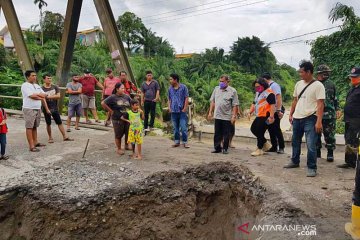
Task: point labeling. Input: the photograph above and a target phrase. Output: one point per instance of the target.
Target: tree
(130, 27)
(340, 50)
(41, 4)
(344, 13)
(53, 26)
(252, 55)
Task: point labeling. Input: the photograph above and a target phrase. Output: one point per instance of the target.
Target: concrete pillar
(67, 45)
(16, 34)
(116, 46)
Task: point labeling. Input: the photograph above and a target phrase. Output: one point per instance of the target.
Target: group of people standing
(121, 99)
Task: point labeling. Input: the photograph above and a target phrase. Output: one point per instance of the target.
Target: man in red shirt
(129, 86)
(88, 82)
(109, 85)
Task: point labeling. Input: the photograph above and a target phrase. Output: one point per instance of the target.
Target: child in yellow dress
(135, 118)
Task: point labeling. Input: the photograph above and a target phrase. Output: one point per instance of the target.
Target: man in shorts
(33, 97)
(52, 95)
(74, 89)
(88, 82)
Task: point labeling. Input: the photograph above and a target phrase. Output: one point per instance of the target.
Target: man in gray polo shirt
(224, 100)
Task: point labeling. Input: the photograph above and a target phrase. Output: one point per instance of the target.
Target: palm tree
(344, 13)
(41, 4)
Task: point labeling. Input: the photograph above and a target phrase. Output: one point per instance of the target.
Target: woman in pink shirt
(109, 85)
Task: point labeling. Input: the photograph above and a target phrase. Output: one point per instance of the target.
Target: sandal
(88, 122)
(77, 128)
(40, 145)
(68, 139)
(68, 130)
(51, 141)
(34, 149)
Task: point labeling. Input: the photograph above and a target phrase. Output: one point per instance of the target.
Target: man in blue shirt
(178, 96)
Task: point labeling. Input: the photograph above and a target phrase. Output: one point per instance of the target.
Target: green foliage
(2, 56)
(130, 27)
(340, 50)
(201, 73)
(53, 26)
(138, 38)
(252, 55)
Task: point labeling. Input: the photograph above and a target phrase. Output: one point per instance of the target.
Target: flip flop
(88, 122)
(34, 149)
(40, 145)
(138, 158)
(68, 139)
(68, 130)
(51, 141)
(77, 128)
(120, 152)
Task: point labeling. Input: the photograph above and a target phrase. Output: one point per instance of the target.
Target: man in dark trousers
(276, 135)
(151, 94)
(352, 120)
(352, 130)
(331, 107)
(224, 104)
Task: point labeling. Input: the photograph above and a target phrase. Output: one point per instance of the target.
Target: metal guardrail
(19, 85)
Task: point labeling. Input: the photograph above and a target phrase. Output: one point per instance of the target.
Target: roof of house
(87, 31)
(184, 55)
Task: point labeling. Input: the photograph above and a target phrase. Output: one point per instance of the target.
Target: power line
(220, 10)
(179, 10)
(305, 34)
(198, 10)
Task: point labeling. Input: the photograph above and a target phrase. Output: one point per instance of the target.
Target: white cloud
(272, 20)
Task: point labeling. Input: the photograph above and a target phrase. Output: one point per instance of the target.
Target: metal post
(16, 34)
(67, 45)
(112, 34)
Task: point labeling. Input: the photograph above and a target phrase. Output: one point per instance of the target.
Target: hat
(355, 72)
(323, 68)
(87, 71)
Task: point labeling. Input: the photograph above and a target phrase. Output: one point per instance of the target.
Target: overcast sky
(199, 24)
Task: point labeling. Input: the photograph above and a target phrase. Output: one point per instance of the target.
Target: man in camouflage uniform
(330, 112)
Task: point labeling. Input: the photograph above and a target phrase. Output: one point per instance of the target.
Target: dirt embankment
(197, 203)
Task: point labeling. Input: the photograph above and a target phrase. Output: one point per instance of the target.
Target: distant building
(86, 37)
(91, 36)
(184, 55)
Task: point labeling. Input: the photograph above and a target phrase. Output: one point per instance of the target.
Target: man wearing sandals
(52, 95)
(33, 96)
(74, 89)
(88, 82)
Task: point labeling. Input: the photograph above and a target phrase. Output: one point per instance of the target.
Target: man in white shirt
(306, 117)
(33, 97)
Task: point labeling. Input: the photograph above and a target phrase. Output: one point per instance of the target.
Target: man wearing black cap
(352, 130)
(88, 82)
(352, 121)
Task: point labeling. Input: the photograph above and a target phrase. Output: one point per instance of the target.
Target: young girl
(136, 117)
(3, 131)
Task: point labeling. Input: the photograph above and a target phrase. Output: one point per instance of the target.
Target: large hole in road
(202, 202)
